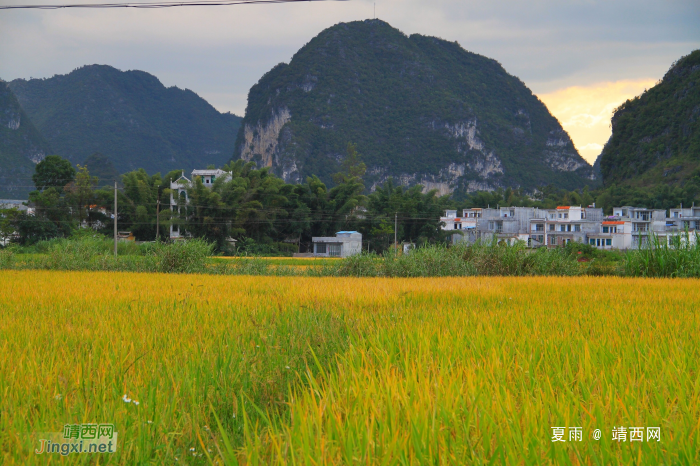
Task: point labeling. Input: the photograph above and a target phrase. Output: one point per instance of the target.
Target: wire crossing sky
(153, 4)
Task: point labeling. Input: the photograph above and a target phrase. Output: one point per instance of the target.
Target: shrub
(428, 261)
(360, 265)
(183, 256)
(6, 257)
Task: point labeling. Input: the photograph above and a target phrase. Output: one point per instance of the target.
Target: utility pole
(158, 220)
(115, 218)
(396, 222)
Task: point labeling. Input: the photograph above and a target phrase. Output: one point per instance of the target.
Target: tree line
(253, 211)
(262, 213)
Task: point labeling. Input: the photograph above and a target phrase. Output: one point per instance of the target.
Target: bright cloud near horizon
(585, 111)
(581, 57)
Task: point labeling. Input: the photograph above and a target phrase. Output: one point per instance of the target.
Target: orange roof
(458, 220)
(613, 223)
(563, 207)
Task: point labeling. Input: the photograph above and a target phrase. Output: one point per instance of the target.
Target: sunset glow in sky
(585, 111)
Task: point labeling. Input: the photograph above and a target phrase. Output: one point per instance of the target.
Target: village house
(343, 244)
(178, 193)
(628, 227)
(563, 225)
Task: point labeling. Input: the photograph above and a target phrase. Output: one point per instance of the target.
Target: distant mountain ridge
(420, 109)
(656, 136)
(21, 147)
(128, 116)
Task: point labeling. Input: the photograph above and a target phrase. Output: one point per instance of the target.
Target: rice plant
(341, 370)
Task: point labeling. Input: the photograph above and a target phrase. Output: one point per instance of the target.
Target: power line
(154, 4)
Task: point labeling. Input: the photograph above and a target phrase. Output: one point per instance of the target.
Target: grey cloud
(220, 53)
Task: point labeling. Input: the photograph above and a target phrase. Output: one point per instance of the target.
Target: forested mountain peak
(130, 117)
(420, 109)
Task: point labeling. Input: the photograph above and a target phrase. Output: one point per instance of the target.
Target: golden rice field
(314, 371)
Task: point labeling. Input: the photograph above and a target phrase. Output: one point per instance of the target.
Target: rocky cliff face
(420, 109)
(260, 142)
(21, 147)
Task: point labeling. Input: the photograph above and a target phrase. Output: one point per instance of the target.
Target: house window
(539, 227)
(566, 215)
(697, 224)
(320, 248)
(608, 242)
(551, 227)
(553, 240)
(591, 241)
(512, 213)
(499, 227)
(213, 177)
(334, 250)
(455, 226)
(577, 227)
(606, 229)
(491, 225)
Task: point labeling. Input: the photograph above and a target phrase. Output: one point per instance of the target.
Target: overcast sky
(582, 57)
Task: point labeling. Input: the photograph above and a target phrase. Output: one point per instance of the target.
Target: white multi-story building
(466, 224)
(565, 224)
(628, 227)
(178, 193)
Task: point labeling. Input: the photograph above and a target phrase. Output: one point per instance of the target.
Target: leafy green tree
(417, 215)
(8, 220)
(32, 229)
(53, 172)
(139, 203)
(250, 203)
(80, 194)
(206, 213)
